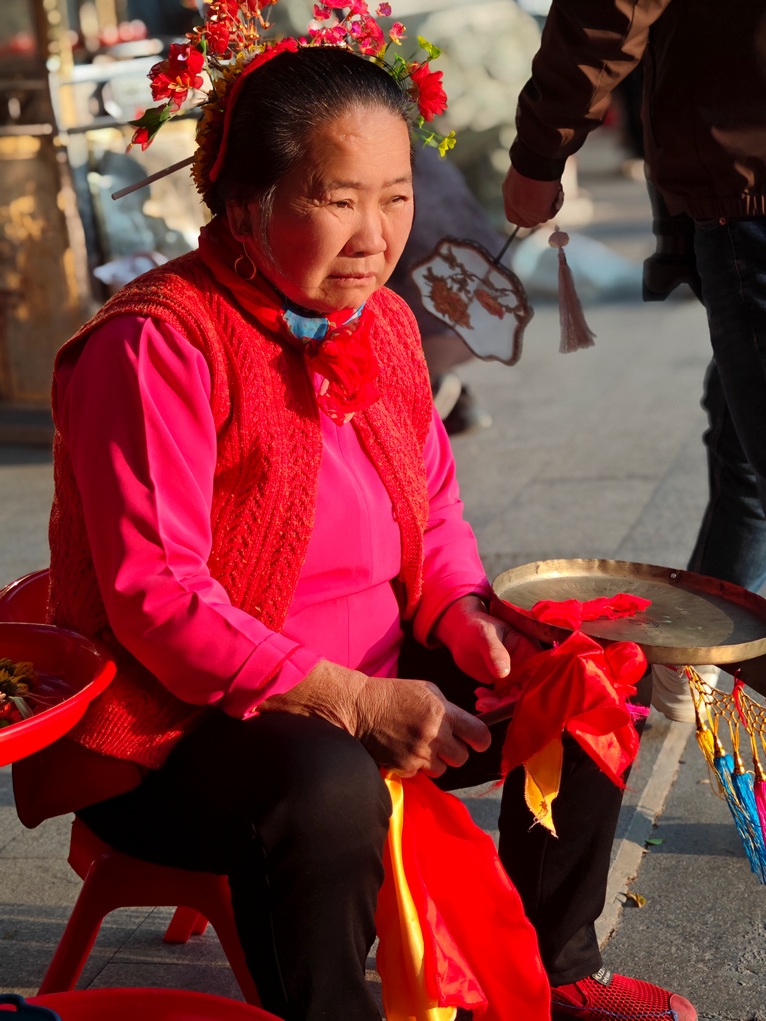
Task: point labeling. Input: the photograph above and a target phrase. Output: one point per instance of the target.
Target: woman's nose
(368, 237)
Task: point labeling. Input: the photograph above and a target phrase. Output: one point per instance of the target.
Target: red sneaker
(609, 997)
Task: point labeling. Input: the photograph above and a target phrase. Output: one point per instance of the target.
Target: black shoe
(467, 416)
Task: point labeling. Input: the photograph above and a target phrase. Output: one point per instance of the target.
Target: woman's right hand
(409, 726)
(406, 725)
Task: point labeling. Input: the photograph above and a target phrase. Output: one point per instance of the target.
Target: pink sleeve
(452, 566)
(135, 412)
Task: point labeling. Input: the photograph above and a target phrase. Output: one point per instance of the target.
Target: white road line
(630, 848)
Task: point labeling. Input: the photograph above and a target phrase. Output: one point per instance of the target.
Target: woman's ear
(239, 216)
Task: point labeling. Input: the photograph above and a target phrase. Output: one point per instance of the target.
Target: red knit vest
(264, 489)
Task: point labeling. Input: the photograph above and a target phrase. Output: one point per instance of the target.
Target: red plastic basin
(72, 669)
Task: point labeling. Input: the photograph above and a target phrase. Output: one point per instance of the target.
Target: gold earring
(240, 258)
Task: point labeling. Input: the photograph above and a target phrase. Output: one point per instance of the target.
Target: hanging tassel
(759, 794)
(750, 825)
(575, 332)
(725, 770)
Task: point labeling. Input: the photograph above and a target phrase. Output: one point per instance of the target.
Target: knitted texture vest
(264, 488)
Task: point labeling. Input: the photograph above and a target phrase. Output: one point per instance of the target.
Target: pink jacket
(152, 471)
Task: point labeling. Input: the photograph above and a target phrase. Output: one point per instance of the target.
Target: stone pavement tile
(567, 518)
(589, 452)
(654, 733)
(665, 532)
(217, 979)
(26, 942)
(42, 882)
(30, 932)
(46, 841)
(27, 479)
(492, 476)
(143, 959)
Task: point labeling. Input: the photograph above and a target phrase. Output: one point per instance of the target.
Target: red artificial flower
(9, 714)
(428, 93)
(334, 36)
(396, 32)
(148, 124)
(217, 35)
(225, 8)
(384, 10)
(369, 36)
(141, 137)
(173, 78)
(322, 12)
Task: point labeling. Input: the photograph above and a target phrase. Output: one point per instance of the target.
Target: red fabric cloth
(481, 952)
(571, 612)
(579, 688)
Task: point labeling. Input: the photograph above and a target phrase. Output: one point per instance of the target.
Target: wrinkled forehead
(361, 148)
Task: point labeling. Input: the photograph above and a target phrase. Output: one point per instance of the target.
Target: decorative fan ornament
(484, 302)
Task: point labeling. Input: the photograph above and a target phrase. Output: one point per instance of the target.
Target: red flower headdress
(229, 45)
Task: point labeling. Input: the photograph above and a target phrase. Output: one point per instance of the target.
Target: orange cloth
(451, 925)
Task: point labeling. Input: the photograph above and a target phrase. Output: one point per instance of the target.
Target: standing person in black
(704, 114)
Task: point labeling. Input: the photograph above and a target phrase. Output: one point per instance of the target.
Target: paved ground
(593, 454)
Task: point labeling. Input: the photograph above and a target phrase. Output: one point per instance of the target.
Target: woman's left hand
(483, 646)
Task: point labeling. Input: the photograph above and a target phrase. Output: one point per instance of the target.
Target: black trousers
(295, 813)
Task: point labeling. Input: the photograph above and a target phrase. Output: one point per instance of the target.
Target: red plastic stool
(113, 880)
(148, 1005)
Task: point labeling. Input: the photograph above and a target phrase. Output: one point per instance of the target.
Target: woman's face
(341, 219)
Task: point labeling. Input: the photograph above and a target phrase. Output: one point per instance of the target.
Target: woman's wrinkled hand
(405, 725)
(483, 646)
(529, 203)
(409, 726)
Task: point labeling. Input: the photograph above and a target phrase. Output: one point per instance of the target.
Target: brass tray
(692, 619)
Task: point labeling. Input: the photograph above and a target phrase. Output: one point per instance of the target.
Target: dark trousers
(295, 812)
(732, 538)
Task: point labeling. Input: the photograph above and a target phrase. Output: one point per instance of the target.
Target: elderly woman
(256, 510)
(254, 501)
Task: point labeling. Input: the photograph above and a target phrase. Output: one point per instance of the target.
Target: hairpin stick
(152, 178)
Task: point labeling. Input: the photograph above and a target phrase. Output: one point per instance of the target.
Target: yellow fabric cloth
(542, 780)
(405, 997)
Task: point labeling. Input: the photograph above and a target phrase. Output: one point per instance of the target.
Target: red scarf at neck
(343, 357)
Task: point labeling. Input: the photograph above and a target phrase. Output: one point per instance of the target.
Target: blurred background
(73, 74)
